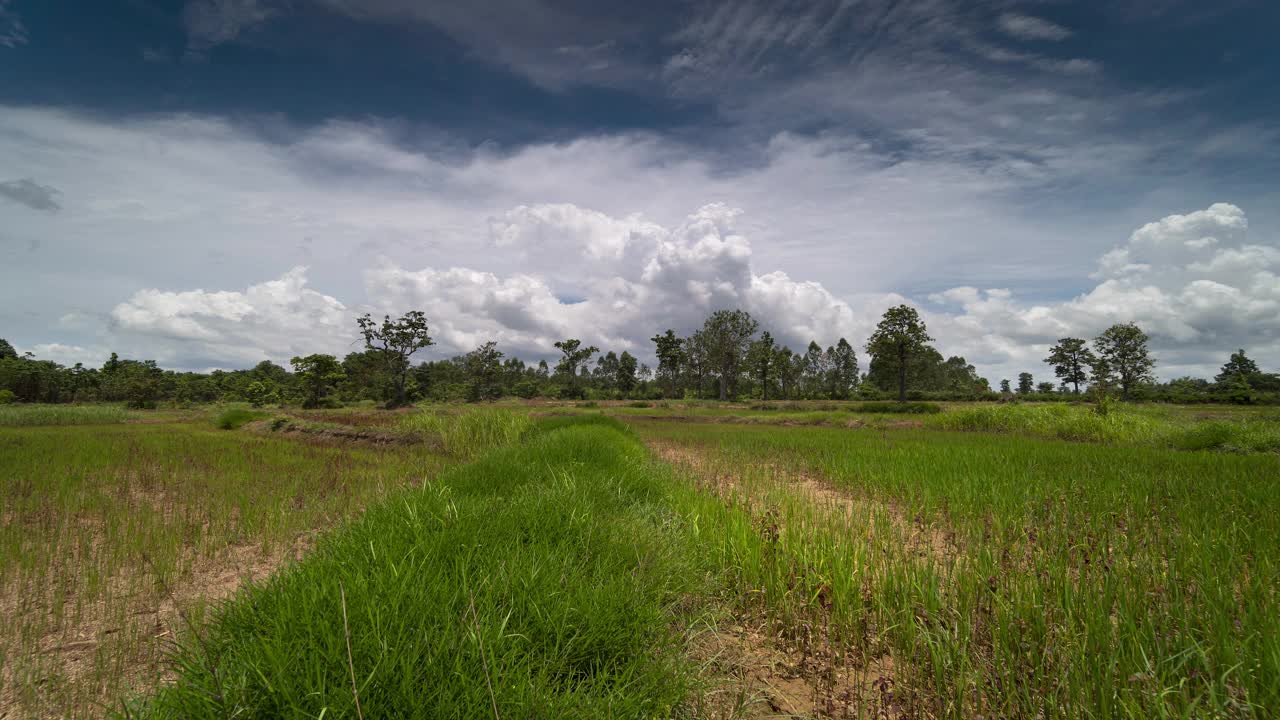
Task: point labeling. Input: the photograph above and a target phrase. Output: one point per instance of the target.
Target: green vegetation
(95, 515)
(470, 433)
(234, 418)
(11, 415)
(1139, 426)
(533, 583)
(1004, 576)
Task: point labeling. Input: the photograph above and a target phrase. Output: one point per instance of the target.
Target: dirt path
(757, 670)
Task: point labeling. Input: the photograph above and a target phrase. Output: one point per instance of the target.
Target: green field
(705, 561)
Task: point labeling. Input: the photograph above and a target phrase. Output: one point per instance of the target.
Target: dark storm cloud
(32, 194)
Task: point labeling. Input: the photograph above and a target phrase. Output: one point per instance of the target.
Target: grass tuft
(472, 432)
(234, 418)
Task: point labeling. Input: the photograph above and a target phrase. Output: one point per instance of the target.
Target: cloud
(1027, 27)
(1194, 282)
(639, 279)
(31, 193)
(275, 319)
(12, 32)
(213, 22)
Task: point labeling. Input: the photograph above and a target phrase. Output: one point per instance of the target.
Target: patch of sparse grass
(92, 516)
(19, 415)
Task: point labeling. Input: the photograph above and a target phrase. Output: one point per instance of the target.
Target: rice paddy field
(641, 560)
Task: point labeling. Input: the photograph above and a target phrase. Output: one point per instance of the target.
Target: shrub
(233, 418)
(639, 404)
(6, 396)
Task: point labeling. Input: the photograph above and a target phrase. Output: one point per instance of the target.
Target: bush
(234, 418)
(639, 404)
(7, 397)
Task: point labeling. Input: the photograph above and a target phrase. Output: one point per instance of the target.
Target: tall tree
(1004, 386)
(6, 350)
(1239, 364)
(761, 358)
(728, 334)
(625, 374)
(1026, 384)
(844, 370)
(1071, 360)
(816, 366)
(317, 374)
(670, 354)
(899, 337)
(1123, 356)
(574, 355)
(396, 341)
(785, 370)
(484, 372)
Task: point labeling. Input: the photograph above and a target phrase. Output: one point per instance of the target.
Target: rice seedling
(1005, 576)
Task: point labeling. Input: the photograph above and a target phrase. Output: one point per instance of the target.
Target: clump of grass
(904, 408)
(536, 582)
(470, 433)
(20, 415)
(234, 418)
(639, 404)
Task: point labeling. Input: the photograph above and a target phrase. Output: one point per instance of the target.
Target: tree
(1044, 388)
(1025, 383)
(844, 370)
(484, 372)
(816, 365)
(786, 371)
(1239, 364)
(1004, 386)
(761, 358)
(899, 337)
(1123, 357)
(670, 354)
(1071, 360)
(261, 392)
(625, 374)
(574, 355)
(318, 375)
(396, 341)
(728, 334)
(6, 350)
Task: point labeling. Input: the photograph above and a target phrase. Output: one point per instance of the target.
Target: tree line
(729, 357)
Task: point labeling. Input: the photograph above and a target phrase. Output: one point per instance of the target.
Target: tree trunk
(724, 387)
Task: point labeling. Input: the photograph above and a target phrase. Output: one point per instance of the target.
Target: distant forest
(729, 358)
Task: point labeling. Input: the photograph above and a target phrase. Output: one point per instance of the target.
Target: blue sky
(211, 182)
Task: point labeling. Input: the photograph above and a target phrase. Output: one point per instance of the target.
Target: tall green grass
(1013, 577)
(472, 432)
(535, 583)
(20, 415)
(236, 417)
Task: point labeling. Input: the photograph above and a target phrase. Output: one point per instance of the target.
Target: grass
(533, 583)
(21, 415)
(1126, 425)
(1005, 576)
(93, 516)
(471, 432)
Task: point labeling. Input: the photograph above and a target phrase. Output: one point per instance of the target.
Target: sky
(211, 183)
